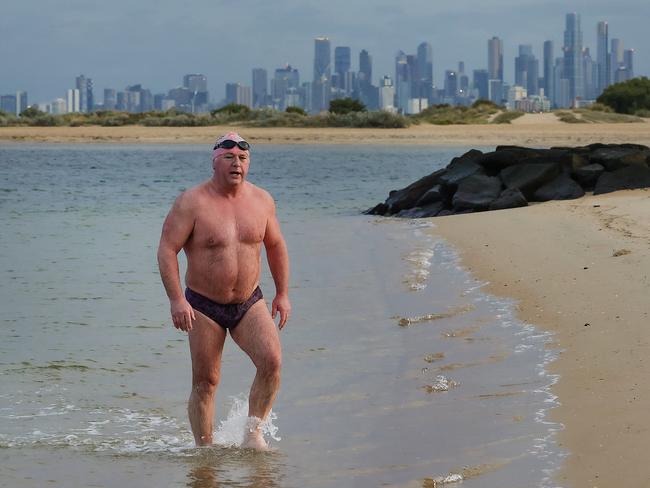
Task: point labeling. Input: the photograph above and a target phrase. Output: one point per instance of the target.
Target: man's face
(231, 167)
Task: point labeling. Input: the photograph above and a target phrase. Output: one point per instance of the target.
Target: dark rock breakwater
(513, 176)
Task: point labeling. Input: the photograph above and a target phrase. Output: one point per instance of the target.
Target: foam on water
(230, 432)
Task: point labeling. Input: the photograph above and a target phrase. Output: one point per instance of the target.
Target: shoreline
(579, 269)
(534, 132)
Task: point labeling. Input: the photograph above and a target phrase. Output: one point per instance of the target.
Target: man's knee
(271, 365)
(205, 385)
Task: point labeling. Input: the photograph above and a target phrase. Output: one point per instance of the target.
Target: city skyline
(42, 52)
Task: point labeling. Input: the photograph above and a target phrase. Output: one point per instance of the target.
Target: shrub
(627, 97)
(232, 108)
(346, 106)
(506, 117)
(295, 110)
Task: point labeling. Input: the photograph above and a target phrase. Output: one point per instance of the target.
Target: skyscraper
(197, 84)
(616, 59)
(602, 56)
(342, 64)
(286, 82)
(628, 60)
(110, 99)
(86, 99)
(548, 70)
(21, 101)
(260, 87)
(495, 59)
(425, 71)
(527, 70)
(480, 83)
(368, 93)
(322, 74)
(573, 56)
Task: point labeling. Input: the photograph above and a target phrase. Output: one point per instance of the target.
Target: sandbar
(539, 130)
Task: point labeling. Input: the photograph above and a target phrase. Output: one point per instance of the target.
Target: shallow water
(397, 367)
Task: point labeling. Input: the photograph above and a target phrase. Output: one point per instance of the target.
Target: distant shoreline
(530, 131)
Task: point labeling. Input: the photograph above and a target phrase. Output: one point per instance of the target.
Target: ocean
(398, 367)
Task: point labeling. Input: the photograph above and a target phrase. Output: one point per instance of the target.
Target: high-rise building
(402, 81)
(260, 87)
(628, 61)
(321, 91)
(197, 84)
(285, 83)
(368, 93)
(480, 84)
(451, 84)
(8, 104)
(342, 64)
(73, 100)
(386, 94)
(495, 59)
(616, 58)
(590, 75)
(527, 70)
(548, 69)
(57, 106)
(425, 71)
(110, 99)
(86, 99)
(602, 56)
(21, 101)
(239, 94)
(573, 56)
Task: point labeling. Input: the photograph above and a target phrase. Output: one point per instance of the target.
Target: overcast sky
(44, 44)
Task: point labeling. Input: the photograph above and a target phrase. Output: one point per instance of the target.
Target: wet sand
(538, 130)
(579, 269)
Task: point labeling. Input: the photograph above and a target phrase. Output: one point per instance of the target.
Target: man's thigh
(206, 346)
(257, 335)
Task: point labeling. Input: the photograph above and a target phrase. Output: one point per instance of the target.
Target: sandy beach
(540, 130)
(579, 269)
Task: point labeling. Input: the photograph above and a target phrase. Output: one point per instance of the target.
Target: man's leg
(258, 337)
(206, 345)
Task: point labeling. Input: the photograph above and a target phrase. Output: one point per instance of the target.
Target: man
(221, 225)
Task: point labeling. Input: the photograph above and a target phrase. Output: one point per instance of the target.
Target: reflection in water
(221, 467)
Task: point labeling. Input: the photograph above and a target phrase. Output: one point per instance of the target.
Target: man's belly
(223, 280)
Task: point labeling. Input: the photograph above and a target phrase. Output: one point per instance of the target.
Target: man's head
(230, 158)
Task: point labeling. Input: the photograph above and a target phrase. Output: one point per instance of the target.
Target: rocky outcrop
(513, 176)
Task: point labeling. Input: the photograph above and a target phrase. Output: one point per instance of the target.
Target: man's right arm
(176, 231)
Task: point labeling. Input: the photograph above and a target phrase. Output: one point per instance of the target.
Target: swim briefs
(226, 315)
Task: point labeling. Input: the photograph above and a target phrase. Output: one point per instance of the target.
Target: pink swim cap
(232, 136)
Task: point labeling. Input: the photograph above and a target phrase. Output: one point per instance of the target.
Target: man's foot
(255, 440)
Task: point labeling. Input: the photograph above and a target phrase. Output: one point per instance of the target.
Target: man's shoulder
(192, 197)
(260, 193)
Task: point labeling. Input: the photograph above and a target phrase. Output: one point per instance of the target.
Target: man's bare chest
(223, 229)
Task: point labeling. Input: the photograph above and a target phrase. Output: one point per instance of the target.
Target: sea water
(397, 369)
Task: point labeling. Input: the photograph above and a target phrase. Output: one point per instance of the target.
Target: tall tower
(549, 60)
(342, 64)
(322, 74)
(573, 56)
(495, 59)
(425, 71)
(260, 87)
(616, 58)
(527, 69)
(628, 60)
(602, 56)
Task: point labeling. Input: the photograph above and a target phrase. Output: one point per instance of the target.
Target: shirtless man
(221, 225)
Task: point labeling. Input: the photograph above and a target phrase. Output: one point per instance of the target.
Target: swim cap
(218, 151)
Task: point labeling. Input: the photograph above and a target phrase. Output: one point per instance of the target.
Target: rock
(528, 177)
(587, 175)
(459, 169)
(562, 187)
(613, 158)
(509, 198)
(504, 157)
(436, 193)
(379, 209)
(408, 196)
(627, 178)
(476, 192)
(430, 210)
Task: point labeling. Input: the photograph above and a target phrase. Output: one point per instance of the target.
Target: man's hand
(182, 314)
(281, 304)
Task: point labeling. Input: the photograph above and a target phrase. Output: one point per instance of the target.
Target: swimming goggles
(229, 144)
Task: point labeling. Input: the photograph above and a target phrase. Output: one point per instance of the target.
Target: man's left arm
(278, 258)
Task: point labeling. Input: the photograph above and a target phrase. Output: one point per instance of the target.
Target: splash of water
(231, 431)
